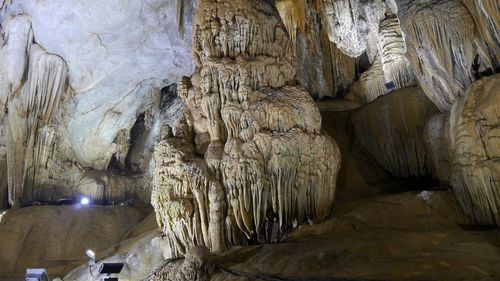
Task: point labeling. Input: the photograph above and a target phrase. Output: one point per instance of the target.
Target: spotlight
(85, 201)
(36, 274)
(91, 256)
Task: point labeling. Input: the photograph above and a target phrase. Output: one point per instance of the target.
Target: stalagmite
(370, 84)
(267, 161)
(474, 135)
(180, 17)
(197, 266)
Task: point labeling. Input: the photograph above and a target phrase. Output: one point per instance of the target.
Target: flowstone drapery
(265, 161)
(474, 135)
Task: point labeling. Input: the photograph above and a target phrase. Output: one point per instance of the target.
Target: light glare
(85, 201)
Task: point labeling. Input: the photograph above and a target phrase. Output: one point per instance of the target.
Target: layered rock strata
(257, 160)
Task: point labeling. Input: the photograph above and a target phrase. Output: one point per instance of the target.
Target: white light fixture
(91, 256)
(85, 201)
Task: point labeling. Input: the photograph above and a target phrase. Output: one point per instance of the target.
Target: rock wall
(445, 48)
(390, 129)
(72, 88)
(474, 135)
(56, 237)
(371, 29)
(267, 163)
(438, 144)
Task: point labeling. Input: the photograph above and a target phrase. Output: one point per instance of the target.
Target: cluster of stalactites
(442, 46)
(235, 33)
(31, 109)
(475, 150)
(292, 13)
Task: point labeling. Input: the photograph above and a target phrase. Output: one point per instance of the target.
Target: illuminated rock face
(372, 29)
(474, 135)
(445, 48)
(74, 83)
(266, 161)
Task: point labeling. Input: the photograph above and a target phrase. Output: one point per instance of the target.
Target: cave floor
(407, 236)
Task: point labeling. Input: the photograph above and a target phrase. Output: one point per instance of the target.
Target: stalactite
(194, 214)
(292, 13)
(19, 35)
(442, 45)
(475, 150)
(353, 24)
(486, 17)
(180, 17)
(30, 111)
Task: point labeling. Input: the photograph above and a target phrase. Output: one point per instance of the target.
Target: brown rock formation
(475, 135)
(390, 130)
(267, 162)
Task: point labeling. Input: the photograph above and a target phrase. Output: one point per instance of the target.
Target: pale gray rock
(118, 53)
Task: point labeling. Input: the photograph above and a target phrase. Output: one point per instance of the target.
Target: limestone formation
(71, 89)
(196, 266)
(30, 136)
(474, 136)
(267, 162)
(443, 45)
(390, 130)
(322, 68)
(386, 50)
(487, 21)
(437, 141)
(353, 24)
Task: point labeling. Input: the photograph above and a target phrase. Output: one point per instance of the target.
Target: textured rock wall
(74, 85)
(322, 68)
(474, 135)
(56, 237)
(266, 162)
(390, 129)
(445, 47)
(437, 140)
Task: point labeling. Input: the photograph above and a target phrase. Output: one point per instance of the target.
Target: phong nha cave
(249, 140)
